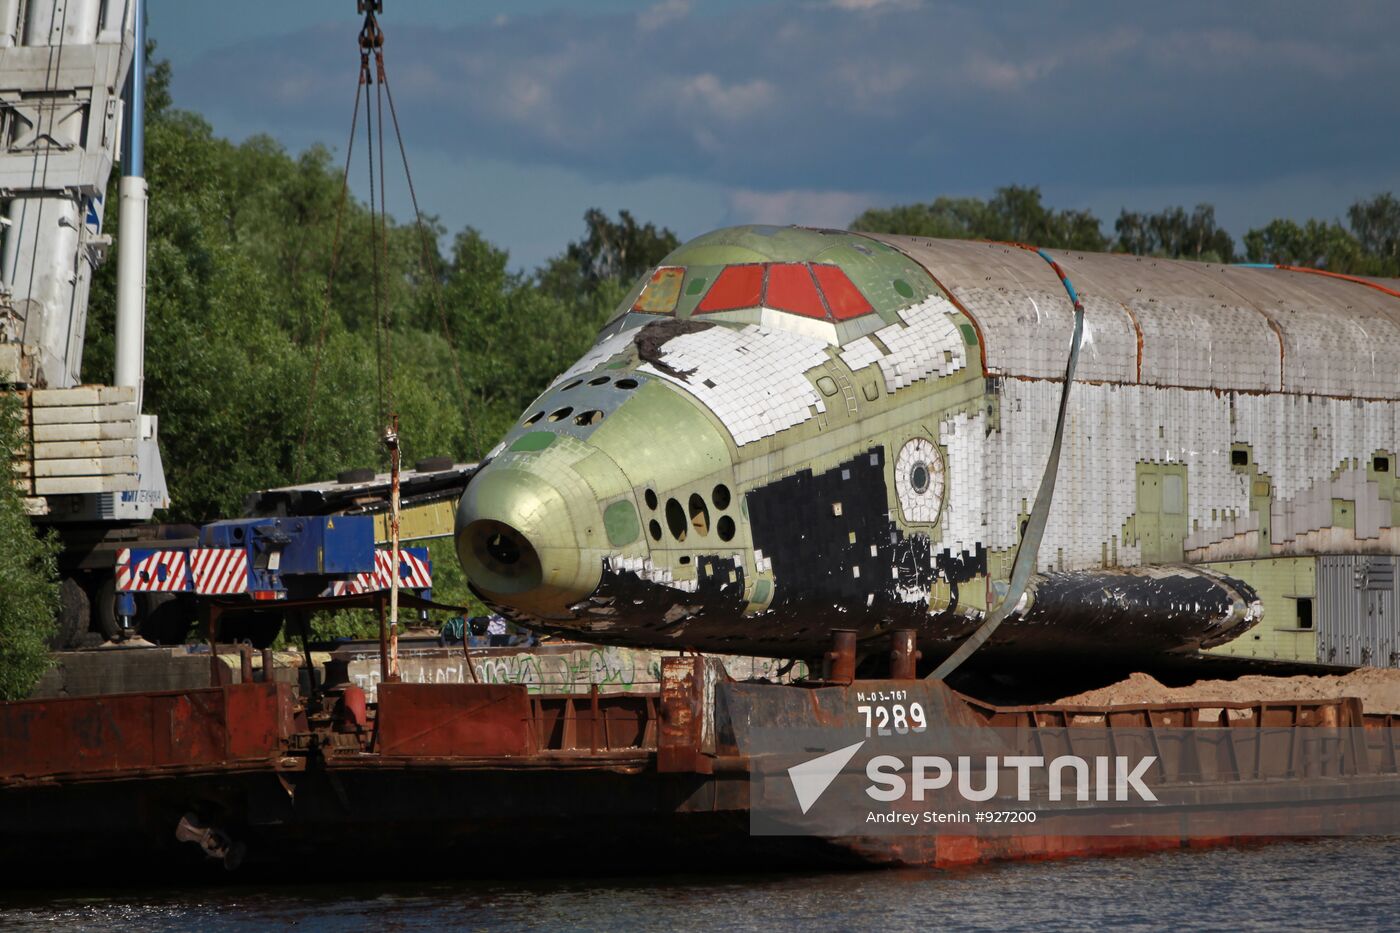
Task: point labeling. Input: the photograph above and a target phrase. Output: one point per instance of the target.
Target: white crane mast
(63, 67)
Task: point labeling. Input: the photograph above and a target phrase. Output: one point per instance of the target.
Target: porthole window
(654, 527)
(561, 414)
(675, 519)
(600, 381)
(626, 383)
(573, 385)
(650, 497)
(586, 418)
(720, 497)
(725, 528)
(699, 514)
(535, 417)
(919, 478)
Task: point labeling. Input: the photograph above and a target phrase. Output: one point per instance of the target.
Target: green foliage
(1315, 243)
(1014, 214)
(1370, 247)
(1175, 234)
(28, 589)
(241, 303)
(609, 251)
(1375, 224)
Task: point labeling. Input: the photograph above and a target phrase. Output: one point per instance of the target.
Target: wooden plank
(80, 414)
(67, 450)
(81, 395)
(85, 466)
(68, 485)
(91, 431)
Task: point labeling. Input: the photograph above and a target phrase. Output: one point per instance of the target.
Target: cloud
(662, 14)
(737, 101)
(792, 106)
(792, 206)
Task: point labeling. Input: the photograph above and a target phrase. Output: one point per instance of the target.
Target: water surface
(1321, 885)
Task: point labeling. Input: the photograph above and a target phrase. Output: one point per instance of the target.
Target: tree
(28, 587)
(621, 250)
(1376, 225)
(1370, 247)
(1014, 213)
(1174, 234)
(1316, 244)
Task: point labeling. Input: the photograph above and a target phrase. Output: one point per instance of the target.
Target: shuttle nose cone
(522, 545)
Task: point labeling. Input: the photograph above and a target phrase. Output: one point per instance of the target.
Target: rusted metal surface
(1230, 742)
(841, 659)
(904, 654)
(144, 731)
(682, 715)
(594, 722)
(453, 720)
(460, 766)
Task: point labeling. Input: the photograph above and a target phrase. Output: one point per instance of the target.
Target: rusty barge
(462, 778)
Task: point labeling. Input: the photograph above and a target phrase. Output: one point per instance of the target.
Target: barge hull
(455, 779)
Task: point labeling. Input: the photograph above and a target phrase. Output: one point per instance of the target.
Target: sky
(518, 116)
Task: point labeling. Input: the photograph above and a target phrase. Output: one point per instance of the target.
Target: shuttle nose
(522, 542)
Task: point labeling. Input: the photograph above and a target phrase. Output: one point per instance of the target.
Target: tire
(74, 615)
(104, 607)
(165, 618)
(433, 465)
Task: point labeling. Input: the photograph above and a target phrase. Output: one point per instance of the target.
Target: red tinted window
(736, 287)
(791, 288)
(845, 299)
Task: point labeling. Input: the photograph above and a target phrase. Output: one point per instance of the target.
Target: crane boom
(63, 67)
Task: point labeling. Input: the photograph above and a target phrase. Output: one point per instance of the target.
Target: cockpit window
(815, 290)
(661, 292)
(791, 288)
(842, 296)
(737, 287)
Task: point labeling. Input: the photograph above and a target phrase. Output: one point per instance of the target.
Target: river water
(1350, 884)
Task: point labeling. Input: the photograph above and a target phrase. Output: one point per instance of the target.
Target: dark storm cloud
(871, 95)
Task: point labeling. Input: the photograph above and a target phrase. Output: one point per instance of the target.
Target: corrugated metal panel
(1022, 311)
(1196, 332)
(1356, 611)
(1201, 325)
(1340, 338)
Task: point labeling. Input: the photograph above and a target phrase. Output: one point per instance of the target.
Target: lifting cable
(1028, 550)
(371, 37)
(371, 41)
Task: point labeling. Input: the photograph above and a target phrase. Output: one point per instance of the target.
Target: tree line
(1367, 244)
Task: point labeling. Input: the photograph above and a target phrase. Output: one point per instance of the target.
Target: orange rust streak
(1343, 276)
(1137, 329)
(981, 341)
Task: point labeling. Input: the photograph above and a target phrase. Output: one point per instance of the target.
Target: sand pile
(1379, 690)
